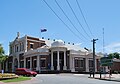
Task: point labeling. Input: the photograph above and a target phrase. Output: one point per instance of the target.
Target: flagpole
(42, 30)
(40, 34)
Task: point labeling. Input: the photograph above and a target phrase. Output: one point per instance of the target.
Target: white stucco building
(49, 55)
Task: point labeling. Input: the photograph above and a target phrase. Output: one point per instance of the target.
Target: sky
(29, 16)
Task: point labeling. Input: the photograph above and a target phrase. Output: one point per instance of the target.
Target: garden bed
(7, 76)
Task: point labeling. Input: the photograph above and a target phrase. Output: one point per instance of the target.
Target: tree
(1, 50)
(114, 55)
(111, 56)
(3, 57)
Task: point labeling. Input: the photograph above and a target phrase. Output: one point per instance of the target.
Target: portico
(58, 58)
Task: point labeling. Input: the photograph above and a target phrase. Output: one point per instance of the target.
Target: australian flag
(43, 30)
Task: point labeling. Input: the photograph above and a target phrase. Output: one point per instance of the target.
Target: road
(67, 79)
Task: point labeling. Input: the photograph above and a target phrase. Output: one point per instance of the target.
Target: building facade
(49, 55)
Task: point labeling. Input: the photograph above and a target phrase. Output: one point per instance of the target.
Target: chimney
(18, 35)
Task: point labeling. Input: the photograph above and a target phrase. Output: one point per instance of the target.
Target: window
(43, 63)
(31, 45)
(76, 63)
(17, 48)
(34, 63)
(90, 63)
(22, 46)
(81, 63)
(28, 63)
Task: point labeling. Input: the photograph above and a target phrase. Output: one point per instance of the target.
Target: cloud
(114, 47)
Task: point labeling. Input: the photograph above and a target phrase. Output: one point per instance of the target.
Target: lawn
(21, 78)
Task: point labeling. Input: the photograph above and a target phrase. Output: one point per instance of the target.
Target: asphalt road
(66, 79)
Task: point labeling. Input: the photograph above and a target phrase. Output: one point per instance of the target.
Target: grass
(21, 78)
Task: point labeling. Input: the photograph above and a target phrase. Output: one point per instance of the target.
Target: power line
(69, 19)
(77, 19)
(84, 18)
(61, 19)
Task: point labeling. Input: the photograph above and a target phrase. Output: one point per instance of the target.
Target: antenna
(103, 42)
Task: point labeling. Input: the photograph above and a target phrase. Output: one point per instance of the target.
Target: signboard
(105, 61)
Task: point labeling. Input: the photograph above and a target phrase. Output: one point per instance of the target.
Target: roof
(60, 43)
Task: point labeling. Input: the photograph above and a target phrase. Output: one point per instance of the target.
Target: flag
(43, 30)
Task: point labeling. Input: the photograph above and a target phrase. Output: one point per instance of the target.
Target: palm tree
(3, 57)
(1, 50)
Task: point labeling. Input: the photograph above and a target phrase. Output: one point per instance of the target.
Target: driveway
(64, 79)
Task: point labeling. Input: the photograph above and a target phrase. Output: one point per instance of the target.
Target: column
(25, 44)
(58, 60)
(18, 62)
(19, 47)
(52, 67)
(38, 63)
(30, 63)
(24, 62)
(70, 62)
(13, 67)
(6, 66)
(73, 64)
(14, 49)
(87, 65)
(95, 65)
(64, 67)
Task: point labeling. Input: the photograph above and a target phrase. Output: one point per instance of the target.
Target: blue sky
(29, 16)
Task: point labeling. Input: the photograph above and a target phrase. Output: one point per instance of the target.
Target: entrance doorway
(55, 60)
(15, 63)
(61, 60)
(61, 54)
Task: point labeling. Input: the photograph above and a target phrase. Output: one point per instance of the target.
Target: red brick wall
(36, 43)
(116, 66)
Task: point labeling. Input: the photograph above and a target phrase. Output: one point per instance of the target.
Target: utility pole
(94, 41)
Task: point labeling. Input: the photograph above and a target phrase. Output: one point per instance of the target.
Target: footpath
(107, 77)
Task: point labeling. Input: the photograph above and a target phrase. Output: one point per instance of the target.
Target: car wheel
(34, 75)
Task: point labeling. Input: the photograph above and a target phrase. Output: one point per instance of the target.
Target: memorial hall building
(49, 55)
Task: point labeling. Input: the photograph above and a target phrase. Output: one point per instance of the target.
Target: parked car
(25, 72)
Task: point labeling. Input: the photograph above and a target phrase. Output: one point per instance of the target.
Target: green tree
(3, 57)
(114, 55)
(1, 50)
(111, 56)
